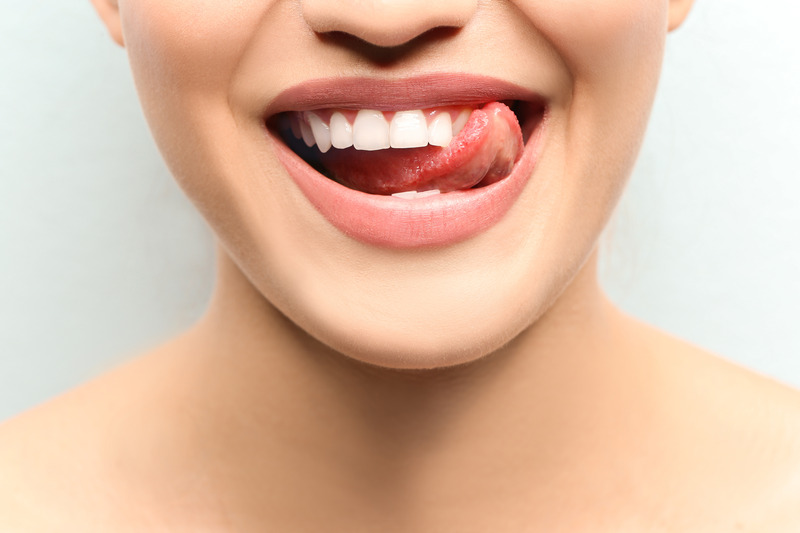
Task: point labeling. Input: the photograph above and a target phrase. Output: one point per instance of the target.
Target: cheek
(613, 50)
(187, 43)
(593, 36)
(183, 55)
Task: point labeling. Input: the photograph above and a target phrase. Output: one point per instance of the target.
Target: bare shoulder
(745, 427)
(61, 463)
(82, 461)
(48, 463)
(16, 505)
(781, 411)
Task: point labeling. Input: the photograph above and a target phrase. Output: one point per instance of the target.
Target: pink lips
(387, 221)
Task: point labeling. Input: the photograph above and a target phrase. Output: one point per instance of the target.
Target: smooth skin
(337, 387)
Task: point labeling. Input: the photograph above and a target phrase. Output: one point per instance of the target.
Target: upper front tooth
(408, 130)
(341, 131)
(440, 131)
(370, 130)
(322, 133)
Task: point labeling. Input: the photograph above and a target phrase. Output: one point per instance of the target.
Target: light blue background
(101, 256)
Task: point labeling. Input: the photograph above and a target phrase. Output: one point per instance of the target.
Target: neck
(282, 410)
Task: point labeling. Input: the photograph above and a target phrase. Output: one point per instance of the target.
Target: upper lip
(396, 94)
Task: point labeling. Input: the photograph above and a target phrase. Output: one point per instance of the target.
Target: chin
(425, 329)
(408, 348)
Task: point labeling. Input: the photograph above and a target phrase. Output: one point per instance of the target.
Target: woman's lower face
(525, 116)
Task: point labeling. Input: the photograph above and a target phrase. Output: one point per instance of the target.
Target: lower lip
(391, 222)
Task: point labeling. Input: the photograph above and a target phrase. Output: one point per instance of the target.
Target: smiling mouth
(405, 181)
(412, 153)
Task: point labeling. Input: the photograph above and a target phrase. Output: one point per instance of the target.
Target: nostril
(386, 23)
(386, 55)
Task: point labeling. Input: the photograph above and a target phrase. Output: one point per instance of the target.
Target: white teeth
(461, 121)
(410, 195)
(440, 130)
(406, 195)
(432, 192)
(408, 130)
(370, 131)
(307, 134)
(341, 131)
(322, 134)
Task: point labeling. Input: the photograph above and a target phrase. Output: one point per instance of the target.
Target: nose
(386, 23)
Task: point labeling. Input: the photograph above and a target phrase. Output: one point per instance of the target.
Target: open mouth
(412, 153)
(424, 161)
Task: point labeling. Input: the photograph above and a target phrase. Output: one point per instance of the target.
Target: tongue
(484, 152)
